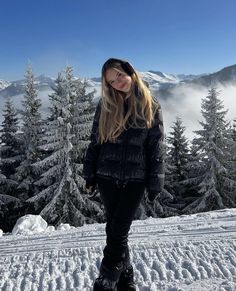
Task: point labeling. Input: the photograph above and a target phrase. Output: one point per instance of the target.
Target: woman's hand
(89, 187)
(89, 190)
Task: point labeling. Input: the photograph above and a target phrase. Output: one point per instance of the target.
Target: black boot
(126, 281)
(102, 283)
(108, 278)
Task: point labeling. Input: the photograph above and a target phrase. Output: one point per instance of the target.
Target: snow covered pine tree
(213, 176)
(62, 200)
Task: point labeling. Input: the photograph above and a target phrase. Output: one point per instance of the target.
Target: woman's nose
(118, 80)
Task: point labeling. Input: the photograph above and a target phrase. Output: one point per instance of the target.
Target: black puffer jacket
(136, 155)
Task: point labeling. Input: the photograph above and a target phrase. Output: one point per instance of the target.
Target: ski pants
(120, 202)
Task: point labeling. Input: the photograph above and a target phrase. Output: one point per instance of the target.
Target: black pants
(120, 202)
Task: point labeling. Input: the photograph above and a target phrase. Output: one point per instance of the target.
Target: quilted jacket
(136, 155)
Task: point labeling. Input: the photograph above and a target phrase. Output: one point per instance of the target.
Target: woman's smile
(118, 80)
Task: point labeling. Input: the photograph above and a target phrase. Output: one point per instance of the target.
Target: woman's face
(118, 80)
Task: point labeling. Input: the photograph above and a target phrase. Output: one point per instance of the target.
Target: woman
(124, 157)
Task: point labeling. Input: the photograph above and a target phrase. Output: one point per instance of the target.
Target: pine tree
(232, 164)
(31, 135)
(213, 148)
(2, 179)
(165, 205)
(178, 158)
(10, 149)
(194, 169)
(234, 130)
(10, 207)
(84, 109)
(62, 200)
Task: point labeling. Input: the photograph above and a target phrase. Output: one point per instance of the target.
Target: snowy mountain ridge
(156, 79)
(224, 76)
(17, 87)
(4, 84)
(175, 77)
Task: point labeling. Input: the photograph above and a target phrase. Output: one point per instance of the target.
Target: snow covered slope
(196, 252)
(4, 84)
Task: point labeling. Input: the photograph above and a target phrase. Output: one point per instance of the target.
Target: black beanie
(126, 66)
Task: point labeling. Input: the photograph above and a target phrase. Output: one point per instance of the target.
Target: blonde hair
(141, 105)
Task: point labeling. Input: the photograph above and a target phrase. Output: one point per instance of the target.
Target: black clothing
(136, 155)
(120, 202)
(126, 281)
(102, 283)
(120, 205)
(126, 66)
(122, 170)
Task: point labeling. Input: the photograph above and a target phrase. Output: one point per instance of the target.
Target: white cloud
(186, 104)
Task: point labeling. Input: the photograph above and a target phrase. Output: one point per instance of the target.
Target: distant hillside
(17, 87)
(158, 82)
(161, 84)
(224, 76)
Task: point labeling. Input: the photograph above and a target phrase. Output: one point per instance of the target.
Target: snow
(4, 84)
(29, 224)
(189, 252)
(155, 79)
(64, 226)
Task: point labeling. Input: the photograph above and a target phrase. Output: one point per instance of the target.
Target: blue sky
(172, 36)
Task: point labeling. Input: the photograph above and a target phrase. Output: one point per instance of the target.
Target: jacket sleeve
(91, 156)
(155, 156)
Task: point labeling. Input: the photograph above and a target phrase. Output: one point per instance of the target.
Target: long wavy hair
(141, 107)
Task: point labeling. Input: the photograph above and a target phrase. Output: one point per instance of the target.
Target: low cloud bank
(186, 104)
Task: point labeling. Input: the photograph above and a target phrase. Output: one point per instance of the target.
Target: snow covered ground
(195, 252)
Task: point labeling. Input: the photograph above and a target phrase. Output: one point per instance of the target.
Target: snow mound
(50, 228)
(29, 224)
(64, 226)
(1, 232)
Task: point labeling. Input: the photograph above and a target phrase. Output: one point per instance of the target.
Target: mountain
(175, 77)
(17, 87)
(163, 85)
(156, 79)
(160, 83)
(162, 77)
(224, 76)
(183, 77)
(4, 84)
(179, 94)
